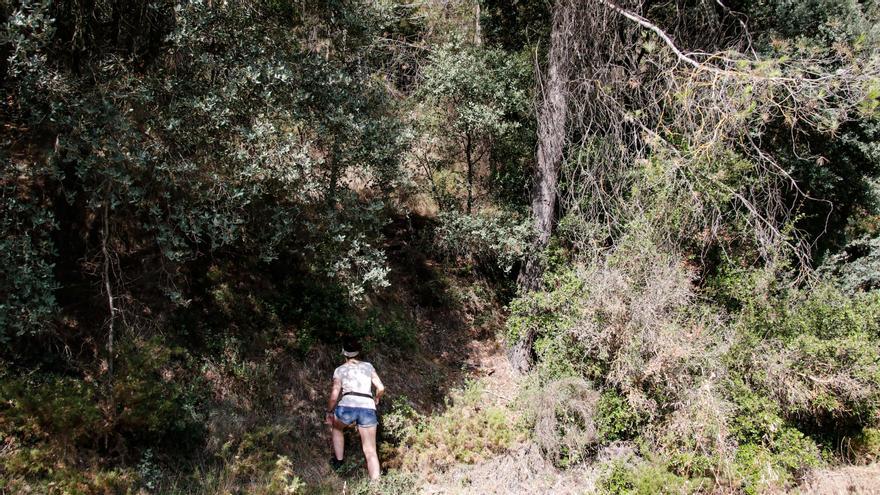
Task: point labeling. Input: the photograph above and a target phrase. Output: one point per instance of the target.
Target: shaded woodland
(591, 245)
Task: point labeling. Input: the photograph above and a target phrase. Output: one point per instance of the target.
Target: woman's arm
(380, 389)
(334, 397)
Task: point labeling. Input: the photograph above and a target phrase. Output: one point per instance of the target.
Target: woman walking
(353, 382)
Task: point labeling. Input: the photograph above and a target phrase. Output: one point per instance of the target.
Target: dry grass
(471, 429)
(564, 418)
(523, 469)
(849, 480)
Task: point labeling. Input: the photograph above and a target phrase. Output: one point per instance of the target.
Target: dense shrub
(153, 406)
(564, 415)
(628, 325)
(742, 398)
(856, 267)
(622, 478)
(493, 241)
(466, 432)
(616, 419)
(817, 353)
(27, 284)
(62, 409)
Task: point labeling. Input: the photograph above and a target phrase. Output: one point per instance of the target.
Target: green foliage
(549, 314)
(824, 312)
(516, 26)
(496, 241)
(644, 479)
(155, 406)
(256, 452)
(771, 450)
(758, 468)
(324, 313)
(27, 284)
(60, 408)
(820, 21)
(233, 167)
(836, 169)
(856, 267)
(256, 159)
(816, 352)
(474, 108)
(481, 84)
(466, 432)
(757, 418)
(152, 406)
(850, 165)
(546, 311)
(616, 419)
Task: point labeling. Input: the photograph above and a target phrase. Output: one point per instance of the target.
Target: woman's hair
(351, 345)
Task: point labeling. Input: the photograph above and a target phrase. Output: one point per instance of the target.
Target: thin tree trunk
(552, 114)
(478, 32)
(106, 276)
(469, 158)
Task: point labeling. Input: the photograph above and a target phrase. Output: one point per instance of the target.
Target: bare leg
(368, 442)
(338, 439)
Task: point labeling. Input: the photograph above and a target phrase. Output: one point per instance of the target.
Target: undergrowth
(467, 431)
(749, 395)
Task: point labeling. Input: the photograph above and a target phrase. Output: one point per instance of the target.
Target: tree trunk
(478, 31)
(468, 153)
(552, 113)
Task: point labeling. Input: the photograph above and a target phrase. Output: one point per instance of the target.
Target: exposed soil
(849, 480)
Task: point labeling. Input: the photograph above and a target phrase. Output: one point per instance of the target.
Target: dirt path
(849, 480)
(522, 469)
(489, 362)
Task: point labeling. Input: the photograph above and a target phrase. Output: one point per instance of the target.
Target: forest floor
(456, 319)
(842, 481)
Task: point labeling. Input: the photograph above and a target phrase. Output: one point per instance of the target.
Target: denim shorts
(365, 417)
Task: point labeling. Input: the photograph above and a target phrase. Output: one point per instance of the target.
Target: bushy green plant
(547, 312)
(27, 284)
(758, 468)
(856, 267)
(757, 418)
(615, 418)
(44, 406)
(465, 432)
(644, 479)
(816, 352)
(493, 240)
(154, 405)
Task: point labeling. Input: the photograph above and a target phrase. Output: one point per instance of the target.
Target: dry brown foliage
(806, 384)
(642, 95)
(564, 411)
(699, 427)
(636, 318)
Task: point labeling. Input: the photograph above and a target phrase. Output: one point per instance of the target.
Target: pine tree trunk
(552, 114)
